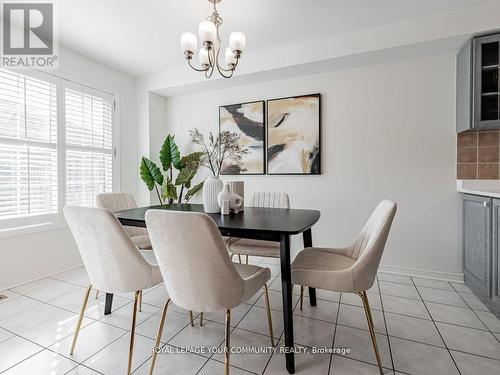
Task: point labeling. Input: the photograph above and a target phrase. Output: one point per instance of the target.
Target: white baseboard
(49, 271)
(437, 275)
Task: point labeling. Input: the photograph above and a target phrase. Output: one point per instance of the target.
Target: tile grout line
(282, 332)
(85, 366)
(426, 286)
(437, 329)
(165, 343)
(42, 348)
(385, 324)
(53, 351)
(334, 334)
(419, 342)
(487, 328)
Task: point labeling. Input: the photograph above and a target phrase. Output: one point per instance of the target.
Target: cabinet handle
(486, 204)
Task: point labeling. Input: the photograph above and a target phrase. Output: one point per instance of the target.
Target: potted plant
(167, 187)
(219, 148)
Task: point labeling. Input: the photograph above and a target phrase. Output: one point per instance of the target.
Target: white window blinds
(28, 146)
(89, 144)
(56, 147)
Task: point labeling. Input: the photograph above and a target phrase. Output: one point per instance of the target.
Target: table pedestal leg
(307, 238)
(286, 288)
(109, 304)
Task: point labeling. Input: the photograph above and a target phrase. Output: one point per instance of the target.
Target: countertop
(485, 188)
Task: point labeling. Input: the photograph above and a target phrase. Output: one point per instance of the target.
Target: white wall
(388, 131)
(30, 256)
(157, 133)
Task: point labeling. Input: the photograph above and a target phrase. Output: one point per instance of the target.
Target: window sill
(19, 231)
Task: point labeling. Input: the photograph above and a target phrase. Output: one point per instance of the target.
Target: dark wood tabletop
(273, 220)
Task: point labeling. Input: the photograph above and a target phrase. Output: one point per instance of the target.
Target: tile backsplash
(478, 155)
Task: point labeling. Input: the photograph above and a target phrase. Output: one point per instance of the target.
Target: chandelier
(208, 31)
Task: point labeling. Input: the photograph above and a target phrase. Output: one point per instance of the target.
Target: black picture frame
(264, 138)
(319, 169)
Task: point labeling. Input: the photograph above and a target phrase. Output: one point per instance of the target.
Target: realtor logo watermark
(29, 36)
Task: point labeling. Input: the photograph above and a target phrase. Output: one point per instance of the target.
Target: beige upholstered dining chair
(117, 201)
(250, 247)
(112, 260)
(351, 269)
(199, 274)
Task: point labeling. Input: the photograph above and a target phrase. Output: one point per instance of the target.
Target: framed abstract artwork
(294, 135)
(246, 120)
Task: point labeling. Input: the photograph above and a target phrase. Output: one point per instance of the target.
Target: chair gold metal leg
(191, 318)
(132, 332)
(246, 259)
(227, 343)
(158, 336)
(80, 318)
(269, 318)
(368, 312)
(239, 258)
(140, 301)
(201, 319)
(371, 327)
(301, 296)
(96, 294)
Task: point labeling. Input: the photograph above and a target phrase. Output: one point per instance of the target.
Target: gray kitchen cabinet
(495, 268)
(464, 88)
(477, 242)
(481, 241)
(478, 89)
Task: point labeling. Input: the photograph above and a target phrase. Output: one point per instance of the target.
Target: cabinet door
(464, 88)
(495, 290)
(477, 240)
(486, 104)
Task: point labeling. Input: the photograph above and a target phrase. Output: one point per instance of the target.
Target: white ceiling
(140, 37)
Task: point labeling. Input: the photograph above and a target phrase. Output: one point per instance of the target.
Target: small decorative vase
(211, 189)
(225, 209)
(238, 187)
(235, 201)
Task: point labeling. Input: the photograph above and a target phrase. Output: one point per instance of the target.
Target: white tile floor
(423, 327)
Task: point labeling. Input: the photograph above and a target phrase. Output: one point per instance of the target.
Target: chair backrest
(194, 261)
(370, 244)
(113, 263)
(270, 200)
(117, 201)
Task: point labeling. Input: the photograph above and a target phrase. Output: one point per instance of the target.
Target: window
(89, 145)
(28, 148)
(56, 147)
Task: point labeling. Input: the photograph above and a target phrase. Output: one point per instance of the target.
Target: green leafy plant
(166, 186)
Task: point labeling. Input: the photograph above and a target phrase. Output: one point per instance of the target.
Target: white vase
(238, 187)
(211, 189)
(235, 201)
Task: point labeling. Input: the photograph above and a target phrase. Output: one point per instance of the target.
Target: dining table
(270, 224)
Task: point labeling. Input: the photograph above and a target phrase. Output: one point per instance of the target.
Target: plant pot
(211, 189)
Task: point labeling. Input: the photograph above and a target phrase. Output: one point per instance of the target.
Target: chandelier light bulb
(203, 56)
(229, 57)
(189, 43)
(237, 41)
(207, 31)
